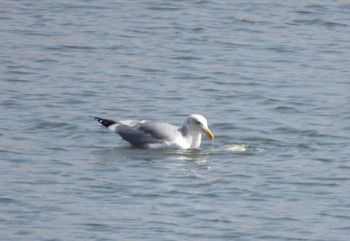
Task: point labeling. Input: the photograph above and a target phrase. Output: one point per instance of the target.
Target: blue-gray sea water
(272, 78)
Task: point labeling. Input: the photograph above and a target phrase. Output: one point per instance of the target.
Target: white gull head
(194, 125)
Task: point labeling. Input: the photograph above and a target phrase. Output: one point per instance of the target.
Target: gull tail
(110, 124)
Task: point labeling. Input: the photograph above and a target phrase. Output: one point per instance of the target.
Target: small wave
(233, 148)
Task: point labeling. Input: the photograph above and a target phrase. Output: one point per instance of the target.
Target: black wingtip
(104, 122)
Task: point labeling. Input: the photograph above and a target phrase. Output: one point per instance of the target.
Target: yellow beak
(209, 134)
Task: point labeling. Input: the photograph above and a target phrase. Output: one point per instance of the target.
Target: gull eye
(198, 123)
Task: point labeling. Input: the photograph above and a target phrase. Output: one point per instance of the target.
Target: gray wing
(148, 132)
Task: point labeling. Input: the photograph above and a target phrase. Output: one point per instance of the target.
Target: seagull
(156, 134)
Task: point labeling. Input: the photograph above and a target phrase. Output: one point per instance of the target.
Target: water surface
(271, 78)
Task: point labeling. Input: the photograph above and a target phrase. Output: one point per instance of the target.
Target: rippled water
(272, 78)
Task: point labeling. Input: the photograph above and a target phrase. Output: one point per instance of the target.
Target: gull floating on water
(155, 134)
